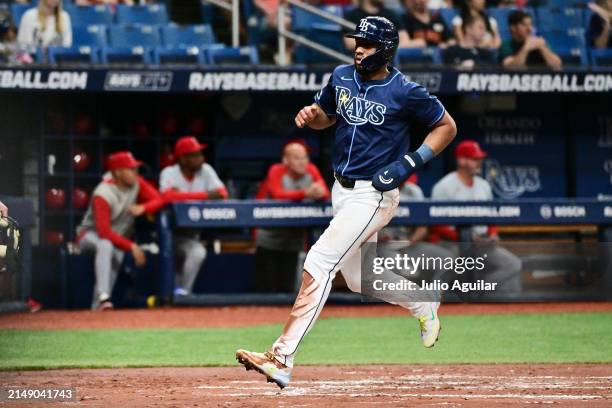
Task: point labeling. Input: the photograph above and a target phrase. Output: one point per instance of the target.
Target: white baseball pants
(359, 213)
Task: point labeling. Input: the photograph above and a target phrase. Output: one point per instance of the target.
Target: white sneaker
(181, 292)
(266, 364)
(430, 326)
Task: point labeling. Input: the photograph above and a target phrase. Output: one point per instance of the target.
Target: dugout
(549, 136)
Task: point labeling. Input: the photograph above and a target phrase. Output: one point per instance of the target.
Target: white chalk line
(296, 393)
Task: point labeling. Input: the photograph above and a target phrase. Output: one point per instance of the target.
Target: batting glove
(394, 175)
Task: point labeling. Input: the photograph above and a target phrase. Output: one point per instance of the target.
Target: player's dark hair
(517, 17)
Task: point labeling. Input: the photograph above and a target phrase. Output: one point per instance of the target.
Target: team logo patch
(385, 180)
(358, 111)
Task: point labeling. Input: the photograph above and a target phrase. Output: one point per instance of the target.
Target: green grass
(528, 338)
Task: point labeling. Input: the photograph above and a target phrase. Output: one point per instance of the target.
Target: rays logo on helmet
(364, 24)
(358, 111)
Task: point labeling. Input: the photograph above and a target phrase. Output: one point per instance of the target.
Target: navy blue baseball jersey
(373, 118)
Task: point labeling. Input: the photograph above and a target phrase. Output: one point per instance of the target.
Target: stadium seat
(232, 56)
(189, 36)
(149, 14)
(447, 15)
(126, 55)
(179, 56)
(565, 38)
(92, 35)
(17, 11)
(573, 56)
(566, 3)
(501, 16)
(74, 55)
(302, 20)
(550, 19)
(84, 15)
(330, 37)
(134, 35)
(601, 57)
(418, 56)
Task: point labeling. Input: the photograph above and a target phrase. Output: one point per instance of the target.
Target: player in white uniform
(190, 179)
(372, 106)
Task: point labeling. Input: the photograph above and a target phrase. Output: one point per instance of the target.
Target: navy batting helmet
(382, 32)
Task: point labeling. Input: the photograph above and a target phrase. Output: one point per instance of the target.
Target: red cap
(186, 145)
(470, 149)
(121, 160)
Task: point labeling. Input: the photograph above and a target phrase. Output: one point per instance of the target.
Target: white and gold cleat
(266, 364)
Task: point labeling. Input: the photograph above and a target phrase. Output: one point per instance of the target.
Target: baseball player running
(373, 106)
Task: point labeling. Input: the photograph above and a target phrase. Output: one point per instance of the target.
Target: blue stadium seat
(566, 3)
(601, 57)
(84, 15)
(573, 56)
(418, 56)
(179, 55)
(501, 16)
(330, 37)
(232, 56)
(303, 20)
(565, 38)
(134, 35)
(192, 35)
(126, 55)
(92, 35)
(149, 14)
(550, 19)
(17, 11)
(447, 15)
(73, 55)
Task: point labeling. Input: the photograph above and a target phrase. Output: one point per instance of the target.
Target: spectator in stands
(277, 250)
(10, 51)
(525, 50)
(376, 8)
(45, 25)
(471, 51)
(190, 179)
(422, 23)
(269, 25)
(465, 184)
(121, 197)
(476, 8)
(599, 34)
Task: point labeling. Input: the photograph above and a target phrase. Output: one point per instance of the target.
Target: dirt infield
(240, 316)
(312, 386)
(342, 386)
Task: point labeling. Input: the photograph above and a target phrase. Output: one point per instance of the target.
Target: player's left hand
(394, 175)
